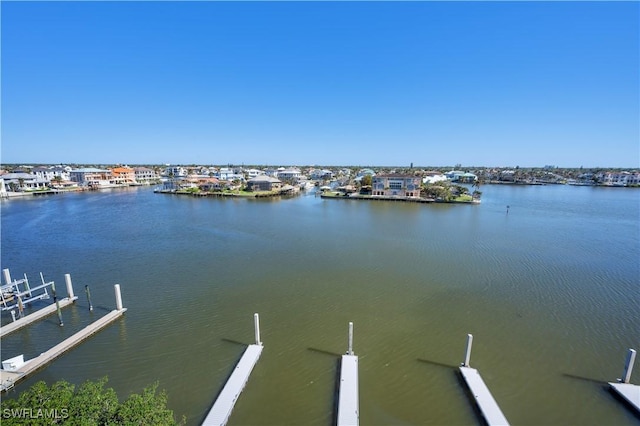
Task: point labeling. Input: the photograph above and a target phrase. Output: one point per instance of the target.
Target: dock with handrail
(226, 400)
(483, 398)
(348, 398)
(8, 378)
(629, 392)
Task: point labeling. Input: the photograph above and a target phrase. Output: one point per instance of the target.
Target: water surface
(549, 290)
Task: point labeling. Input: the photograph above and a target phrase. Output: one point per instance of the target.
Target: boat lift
(18, 293)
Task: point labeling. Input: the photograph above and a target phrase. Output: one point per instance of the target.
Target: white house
(228, 174)
(289, 174)
(433, 177)
(144, 174)
(16, 182)
(175, 171)
(619, 178)
(251, 173)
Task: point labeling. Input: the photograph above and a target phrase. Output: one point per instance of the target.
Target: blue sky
(326, 83)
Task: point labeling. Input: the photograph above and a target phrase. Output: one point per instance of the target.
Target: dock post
(350, 347)
(86, 290)
(26, 284)
(256, 321)
(20, 307)
(7, 275)
(118, 297)
(628, 366)
(55, 299)
(67, 279)
(13, 315)
(467, 354)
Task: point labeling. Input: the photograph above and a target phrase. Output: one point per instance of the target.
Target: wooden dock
(35, 316)
(481, 394)
(221, 410)
(9, 378)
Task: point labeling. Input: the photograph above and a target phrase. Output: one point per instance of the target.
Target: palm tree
(476, 186)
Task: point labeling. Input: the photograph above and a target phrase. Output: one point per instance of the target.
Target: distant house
(433, 177)
(263, 183)
(228, 174)
(322, 174)
(24, 182)
(461, 177)
(123, 175)
(175, 171)
(291, 174)
(144, 174)
(508, 175)
(50, 173)
(210, 184)
(90, 176)
(619, 178)
(395, 185)
(251, 173)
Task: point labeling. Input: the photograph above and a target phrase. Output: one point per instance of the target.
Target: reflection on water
(549, 291)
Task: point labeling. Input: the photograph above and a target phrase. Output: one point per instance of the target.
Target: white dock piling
(7, 276)
(348, 398)
(628, 366)
(467, 353)
(67, 279)
(256, 322)
(118, 297)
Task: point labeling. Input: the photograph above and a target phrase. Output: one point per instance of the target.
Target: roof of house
(263, 178)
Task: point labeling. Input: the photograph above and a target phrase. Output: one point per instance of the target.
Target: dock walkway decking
(348, 400)
(629, 392)
(221, 410)
(35, 316)
(484, 400)
(486, 403)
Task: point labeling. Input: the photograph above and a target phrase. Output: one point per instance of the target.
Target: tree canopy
(90, 404)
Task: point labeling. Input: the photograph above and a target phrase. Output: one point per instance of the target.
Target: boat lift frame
(11, 292)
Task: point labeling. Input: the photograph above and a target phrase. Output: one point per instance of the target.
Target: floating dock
(9, 378)
(226, 400)
(35, 316)
(483, 398)
(38, 315)
(629, 392)
(348, 399)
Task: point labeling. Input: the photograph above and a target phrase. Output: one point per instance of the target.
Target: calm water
(550, 292)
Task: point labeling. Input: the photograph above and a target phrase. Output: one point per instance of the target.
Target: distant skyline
(329, 83)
